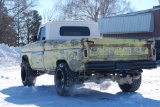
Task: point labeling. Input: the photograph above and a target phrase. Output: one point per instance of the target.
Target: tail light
(85, 53)
(154, 51)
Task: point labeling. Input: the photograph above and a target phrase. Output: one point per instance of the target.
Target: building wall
(154, 34)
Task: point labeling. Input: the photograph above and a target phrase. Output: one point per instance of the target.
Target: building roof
(135, 22)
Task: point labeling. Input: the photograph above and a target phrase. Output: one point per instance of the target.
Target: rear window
(74, 31)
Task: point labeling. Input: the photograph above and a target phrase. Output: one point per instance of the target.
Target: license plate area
(123, 66)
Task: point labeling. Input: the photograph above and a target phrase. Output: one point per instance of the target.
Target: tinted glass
(42, 33)
(74, 31)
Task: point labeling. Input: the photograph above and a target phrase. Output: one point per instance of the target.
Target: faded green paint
(43, 55)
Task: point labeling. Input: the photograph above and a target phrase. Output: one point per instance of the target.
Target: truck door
(37, 49)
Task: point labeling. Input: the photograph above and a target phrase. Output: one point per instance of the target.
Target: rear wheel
(28, 76)
(64, 79)
(131, 87)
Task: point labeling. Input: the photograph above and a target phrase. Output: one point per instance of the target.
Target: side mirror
(34, 38)
(43, 38)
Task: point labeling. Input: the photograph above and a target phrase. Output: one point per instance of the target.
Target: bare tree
(51, 14)
(13, 12)
(91, 9)
(18, 8)
(47, 15)
(7, 32)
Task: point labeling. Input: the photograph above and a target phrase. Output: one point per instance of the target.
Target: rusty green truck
(74, 52)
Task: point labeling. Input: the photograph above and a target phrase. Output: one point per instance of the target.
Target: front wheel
(134, 86)
(28, 76)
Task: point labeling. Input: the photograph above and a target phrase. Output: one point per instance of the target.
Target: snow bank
(9, 56)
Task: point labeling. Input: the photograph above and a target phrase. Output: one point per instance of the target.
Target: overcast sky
(144, 4)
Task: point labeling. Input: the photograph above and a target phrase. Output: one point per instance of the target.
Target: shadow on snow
(46, 96)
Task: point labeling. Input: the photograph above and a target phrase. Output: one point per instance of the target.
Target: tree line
(19, 21)
(90, 10)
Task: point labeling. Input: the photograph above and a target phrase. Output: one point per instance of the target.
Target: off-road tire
(131, 87)
(28, 76)
(64, 79)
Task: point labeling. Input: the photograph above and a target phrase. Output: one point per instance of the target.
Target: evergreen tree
(18, 8)
(35, 23)
(30, 26)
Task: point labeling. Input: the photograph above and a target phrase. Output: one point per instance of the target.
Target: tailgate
(107, 49)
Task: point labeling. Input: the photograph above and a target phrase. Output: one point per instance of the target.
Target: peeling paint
(45, 54)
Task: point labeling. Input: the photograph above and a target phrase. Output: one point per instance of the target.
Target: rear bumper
(119, 66)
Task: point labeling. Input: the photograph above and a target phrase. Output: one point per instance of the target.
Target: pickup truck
(75, 52)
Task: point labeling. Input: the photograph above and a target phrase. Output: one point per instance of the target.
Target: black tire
(28, 76)
(64, 79)
(131, 87)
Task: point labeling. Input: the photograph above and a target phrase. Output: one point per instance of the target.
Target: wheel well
(25, 58)
(60, 61)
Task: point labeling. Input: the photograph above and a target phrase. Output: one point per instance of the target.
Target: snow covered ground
(13, 94)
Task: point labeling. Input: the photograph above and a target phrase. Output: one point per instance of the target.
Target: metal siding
(159, 24)
(155, 34)
(127, 24)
